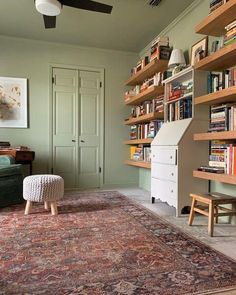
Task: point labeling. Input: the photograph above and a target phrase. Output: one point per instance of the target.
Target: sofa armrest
(6, 160)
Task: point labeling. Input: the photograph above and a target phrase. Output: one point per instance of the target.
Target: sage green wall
(31, 59)
(182, 35)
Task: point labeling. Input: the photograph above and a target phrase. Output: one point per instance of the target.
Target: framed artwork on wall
(199, 51)
(13, 103)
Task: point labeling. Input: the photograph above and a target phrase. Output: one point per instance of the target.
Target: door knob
(73, 140)
(82, 141)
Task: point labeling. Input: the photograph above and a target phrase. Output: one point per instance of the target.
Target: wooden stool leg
(192, 212)
(211, 219)
(54, 208)
(28, 207)
(216, 214)
(46, 205)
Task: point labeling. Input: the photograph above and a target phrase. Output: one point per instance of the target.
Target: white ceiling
(130, 27)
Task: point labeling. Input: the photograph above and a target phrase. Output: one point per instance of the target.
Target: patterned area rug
(102, 243)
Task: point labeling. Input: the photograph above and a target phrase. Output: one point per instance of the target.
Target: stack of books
(223, 117)
(179, 110)
(221, 80)
(160, 48)
(148, 130)
(230, 35)
(214, 4)
(222, 158)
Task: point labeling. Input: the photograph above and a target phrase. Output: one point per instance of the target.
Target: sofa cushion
(14, 169)
(6, 160)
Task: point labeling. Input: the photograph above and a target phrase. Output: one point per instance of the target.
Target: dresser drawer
(164, 154)
(164, 172)
(164, 190)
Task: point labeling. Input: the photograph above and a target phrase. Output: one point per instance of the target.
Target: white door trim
(102, 106)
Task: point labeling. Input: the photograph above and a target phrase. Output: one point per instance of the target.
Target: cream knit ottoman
(45, 188)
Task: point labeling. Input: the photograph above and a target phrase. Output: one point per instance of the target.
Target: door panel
(89, 137)
(65, 122)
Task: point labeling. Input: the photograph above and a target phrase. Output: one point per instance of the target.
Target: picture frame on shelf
(199, 50)
(13, 102)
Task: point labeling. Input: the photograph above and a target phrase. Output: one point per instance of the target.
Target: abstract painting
(13, 102)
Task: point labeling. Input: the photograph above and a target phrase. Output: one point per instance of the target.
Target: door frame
(101, 109)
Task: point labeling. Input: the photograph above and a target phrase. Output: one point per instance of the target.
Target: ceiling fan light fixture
(48, 7)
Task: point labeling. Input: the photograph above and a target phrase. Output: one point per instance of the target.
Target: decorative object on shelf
(177, 61)
(199, 50)
(13, 102)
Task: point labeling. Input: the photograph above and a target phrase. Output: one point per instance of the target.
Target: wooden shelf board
(214, 24)
(139, 141)
(145, 118)
(221, 59)
(224, 135)
(155, 66)
(139, 164)
(222, 96)
(231, 179)
(148, 94)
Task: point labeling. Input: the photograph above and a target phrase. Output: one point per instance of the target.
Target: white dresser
(174, 157)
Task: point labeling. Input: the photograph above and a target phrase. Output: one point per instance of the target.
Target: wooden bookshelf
(222, 59)
(230, 179)
(224, 135)
(222, 96)
(148, 94)
(155, 66)
(139, 141)
(214, 24)
(139, 164)
(145, 118)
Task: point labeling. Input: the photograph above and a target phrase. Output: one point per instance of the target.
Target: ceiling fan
(51, 8)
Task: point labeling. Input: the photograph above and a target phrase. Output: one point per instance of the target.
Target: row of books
(140, 153)
(223, 117)
(148, 130)
(156, 80)
(214, 4)
(179, 110)
(159, 49)
(155, 105)
(230, 35)
(176, 90)
(221, 80)
(223, 157)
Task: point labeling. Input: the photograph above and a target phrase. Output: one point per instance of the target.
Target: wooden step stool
(211, 210)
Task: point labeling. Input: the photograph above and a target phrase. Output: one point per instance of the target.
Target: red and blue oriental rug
(103, 243)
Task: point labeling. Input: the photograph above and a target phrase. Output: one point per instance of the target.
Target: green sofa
(11, 181)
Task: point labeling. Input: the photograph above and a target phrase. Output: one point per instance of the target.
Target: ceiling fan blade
(88, 5)
(49, 21)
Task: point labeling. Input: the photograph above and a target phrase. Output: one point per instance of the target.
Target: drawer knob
(170, 157)
(172, 191)
(172, 174)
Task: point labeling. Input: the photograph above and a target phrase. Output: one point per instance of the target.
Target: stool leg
(216, 214)
(46, 205)
(192, 212)
(54, 208)
(211, 219)
(28, 207)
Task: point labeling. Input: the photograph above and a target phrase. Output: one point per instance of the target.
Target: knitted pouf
(43, 188)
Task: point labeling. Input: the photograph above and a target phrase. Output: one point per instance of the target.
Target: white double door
(77, 127)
